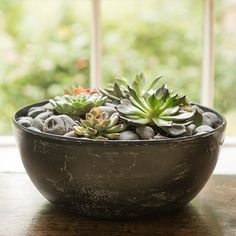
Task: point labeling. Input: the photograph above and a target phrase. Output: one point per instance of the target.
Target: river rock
(43, 116)
(59, 125)
(203, 129)
(145, 132)
(35, 108)
(210, 119)
(25, 121)
(35, 112)
(128, 135)
(190, 129)
(75, 118)
(37, 123)
(48, 106)
(70, 134)
(108, 104)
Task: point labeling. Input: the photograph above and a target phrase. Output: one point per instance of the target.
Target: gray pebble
(108, 109)
(108, 104)
(43, 116)
(75, 118)
(37, 123)
(34, 129)
(48, 106)
(190, 129)
(128, 135)
(159, 136)
(70, 134)
(59, 125)
(34, 108)
(210, 119)
(195, 107)
(35, 112)
(25, 121)
(203, 129)
(145, 132)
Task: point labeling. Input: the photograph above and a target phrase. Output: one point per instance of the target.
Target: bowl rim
(117, 142)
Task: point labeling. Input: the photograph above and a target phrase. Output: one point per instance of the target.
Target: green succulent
(170, 112)
(120, 89)
(77, 104)
(99, 125)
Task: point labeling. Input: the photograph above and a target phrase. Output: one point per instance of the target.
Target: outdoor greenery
(45, 47)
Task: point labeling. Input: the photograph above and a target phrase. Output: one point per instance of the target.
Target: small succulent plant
(77, 90)
(77, 104)
(120, 89)
(170, 112)
(99, 125)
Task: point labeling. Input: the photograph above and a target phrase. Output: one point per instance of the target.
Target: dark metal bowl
(118, 179)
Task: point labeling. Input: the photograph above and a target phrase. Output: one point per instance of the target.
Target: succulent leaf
(180, 116)
(197, 118)
(162, 123)
(153, 84)
(170, 111)
(117, 91)
(109, 94)
(116, 128)
(175, 130)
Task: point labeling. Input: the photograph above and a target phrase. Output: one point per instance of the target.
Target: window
(40, 57)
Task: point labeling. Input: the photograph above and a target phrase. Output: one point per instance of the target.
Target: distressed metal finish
(118, 179)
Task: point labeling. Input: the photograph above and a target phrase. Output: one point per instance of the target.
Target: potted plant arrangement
(132, 149)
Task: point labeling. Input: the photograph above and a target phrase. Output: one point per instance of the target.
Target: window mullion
(207, 91)
(96, 46)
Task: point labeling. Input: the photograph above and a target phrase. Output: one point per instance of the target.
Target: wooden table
(23, 211)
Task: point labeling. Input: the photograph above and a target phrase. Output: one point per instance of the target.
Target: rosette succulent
(170, 112)
(99, 125)
(77, 104)
(120, 89)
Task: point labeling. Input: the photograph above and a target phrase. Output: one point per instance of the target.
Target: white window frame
(96, 45)
(207, 84)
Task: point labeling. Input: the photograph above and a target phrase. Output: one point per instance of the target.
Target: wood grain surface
(23, 211)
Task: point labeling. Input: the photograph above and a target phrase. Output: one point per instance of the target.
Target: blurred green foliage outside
(45, 47)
